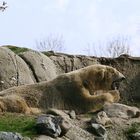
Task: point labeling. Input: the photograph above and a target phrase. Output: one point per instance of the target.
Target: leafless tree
(118, 46)
(112, 48)
(3, 6)
(93, 49)
(51, 43)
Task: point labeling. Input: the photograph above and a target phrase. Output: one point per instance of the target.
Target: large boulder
(13, 70)
(42, 67)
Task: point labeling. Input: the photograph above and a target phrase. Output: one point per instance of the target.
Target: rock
(65, 124)
(43, 137)
(76, 133)
(136, 136)
(42, 66)
(49, 125)
(13, 70)
(57, 112)
(26, 138)
(99, 130)
(72, 114)
(10, 136)
(121, 110)
(101, 118)
(99, 138)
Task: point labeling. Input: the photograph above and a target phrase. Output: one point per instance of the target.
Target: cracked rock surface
(13, 70)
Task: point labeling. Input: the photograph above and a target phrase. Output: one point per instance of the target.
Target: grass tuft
(135, 127)
(25, 125)
(17, 50)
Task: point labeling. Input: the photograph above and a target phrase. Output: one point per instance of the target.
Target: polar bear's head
(102, 77)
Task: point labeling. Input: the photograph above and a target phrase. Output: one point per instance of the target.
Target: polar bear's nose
(121, 77)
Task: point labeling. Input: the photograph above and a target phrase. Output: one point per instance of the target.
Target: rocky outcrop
(30, 66)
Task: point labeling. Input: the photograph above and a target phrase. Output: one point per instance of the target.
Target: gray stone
(101, 118)
(99, 130)
(10, 136)
(100, 138)
(76, 133)
(65, 124)
(43, 137)
(136, 136)
(72, 114)
(57, 112)
(49, 125)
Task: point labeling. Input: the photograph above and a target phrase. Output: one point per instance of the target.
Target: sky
(80, 22)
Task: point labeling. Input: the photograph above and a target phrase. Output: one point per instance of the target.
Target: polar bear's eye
(85, 83)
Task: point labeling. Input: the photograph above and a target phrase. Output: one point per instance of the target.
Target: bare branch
(112, 48)
(51, 43)
(118, 46)
(3, 6)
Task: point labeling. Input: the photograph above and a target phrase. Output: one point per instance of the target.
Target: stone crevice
(30, 67)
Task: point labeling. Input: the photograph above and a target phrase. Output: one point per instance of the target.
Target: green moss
(22, 124)
(135, 127)
(17, 50)
(48, 53)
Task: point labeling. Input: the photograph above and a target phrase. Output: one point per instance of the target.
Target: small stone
(1, 82)
(49, 125)
(136, 136)
(99, 138)
(101, 118)
(26, 138)
(99, 130)
(72, 114)
(10, 136)
(65, 124)
(76, 133)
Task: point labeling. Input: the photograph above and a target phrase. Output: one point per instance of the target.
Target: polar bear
(83, 90)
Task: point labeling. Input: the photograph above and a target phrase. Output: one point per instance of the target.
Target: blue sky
(80, 22)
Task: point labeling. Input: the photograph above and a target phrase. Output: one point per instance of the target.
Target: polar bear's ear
(101, 74)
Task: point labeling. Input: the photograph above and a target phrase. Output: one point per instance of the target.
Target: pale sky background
(79, 22)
